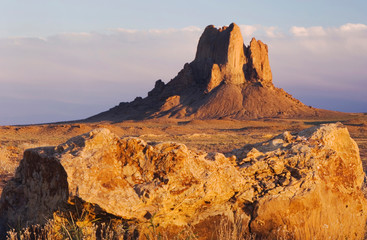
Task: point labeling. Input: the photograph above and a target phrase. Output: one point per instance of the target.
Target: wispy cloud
(259, 31)
(98, 70)
(307, 32)
(318, 63)
(353, 27)
(90, 69)
(248, 31)
(346, 30)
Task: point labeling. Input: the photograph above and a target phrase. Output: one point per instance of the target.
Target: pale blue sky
(47, 17)
(66, 60)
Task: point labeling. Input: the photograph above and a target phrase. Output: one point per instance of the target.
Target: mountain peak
(222, 57)
(217, 44)
(225, 80)
(258, 60)
(220, 53)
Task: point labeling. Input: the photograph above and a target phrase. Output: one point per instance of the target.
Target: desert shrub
(9, 159)
(76, 221)
(235, 230)
(73, 229)
(151, 231)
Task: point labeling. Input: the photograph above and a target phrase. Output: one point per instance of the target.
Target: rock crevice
(284, 187)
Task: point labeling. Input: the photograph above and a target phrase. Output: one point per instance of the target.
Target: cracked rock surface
(293, 186)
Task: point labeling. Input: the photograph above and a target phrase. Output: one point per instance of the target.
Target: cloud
(307, 32)
(258, 31)
(353, 27)
(88, 69)
(318, 31)
(248, 30)
(95, 71)
(323, 66)
(124, 30)
(273, 32)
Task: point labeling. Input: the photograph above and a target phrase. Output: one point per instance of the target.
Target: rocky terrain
(292, 186)
(216, 153)
(226, 80)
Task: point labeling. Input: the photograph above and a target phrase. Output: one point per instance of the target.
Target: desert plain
(208, 135)
(216, 153)
(221, 136)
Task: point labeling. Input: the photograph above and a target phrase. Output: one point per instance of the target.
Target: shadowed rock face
(220, 57)
(225, 74)
(259, 67)
(293, 186)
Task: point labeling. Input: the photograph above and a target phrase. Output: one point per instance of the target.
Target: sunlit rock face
(259, 67)
(227, 79)
(222, 57)
(292, 186)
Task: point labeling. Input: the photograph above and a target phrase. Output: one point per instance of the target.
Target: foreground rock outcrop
(294, 186)
(225, 80)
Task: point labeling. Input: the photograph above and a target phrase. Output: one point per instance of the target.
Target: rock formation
(293, 186)
(225, 80)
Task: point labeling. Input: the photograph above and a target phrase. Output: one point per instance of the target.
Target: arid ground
(207, 135)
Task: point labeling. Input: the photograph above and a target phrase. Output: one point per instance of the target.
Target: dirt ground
(209, 135)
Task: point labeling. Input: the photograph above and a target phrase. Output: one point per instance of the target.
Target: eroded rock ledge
(307, 184)
(227, 79)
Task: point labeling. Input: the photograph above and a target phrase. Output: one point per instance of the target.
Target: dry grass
(83, 228)
(8, 159)
(213, 135)
(210, 135)
(76, 224)
(54, 230)
(316, 228)
(235, 230)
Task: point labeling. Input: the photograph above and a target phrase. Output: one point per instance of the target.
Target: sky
(66, 60)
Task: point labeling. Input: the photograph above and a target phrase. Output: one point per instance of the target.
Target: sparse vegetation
(72, 228)
(8, 159)
(209, 136)
(76, 224)
(235, 230)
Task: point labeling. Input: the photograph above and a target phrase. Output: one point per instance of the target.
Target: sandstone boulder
(294, 186)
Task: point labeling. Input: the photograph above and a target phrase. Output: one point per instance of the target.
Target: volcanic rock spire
(222, 57)
(225, 80)
(259, 69)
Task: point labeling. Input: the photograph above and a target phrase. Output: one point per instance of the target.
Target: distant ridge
(225, 80)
